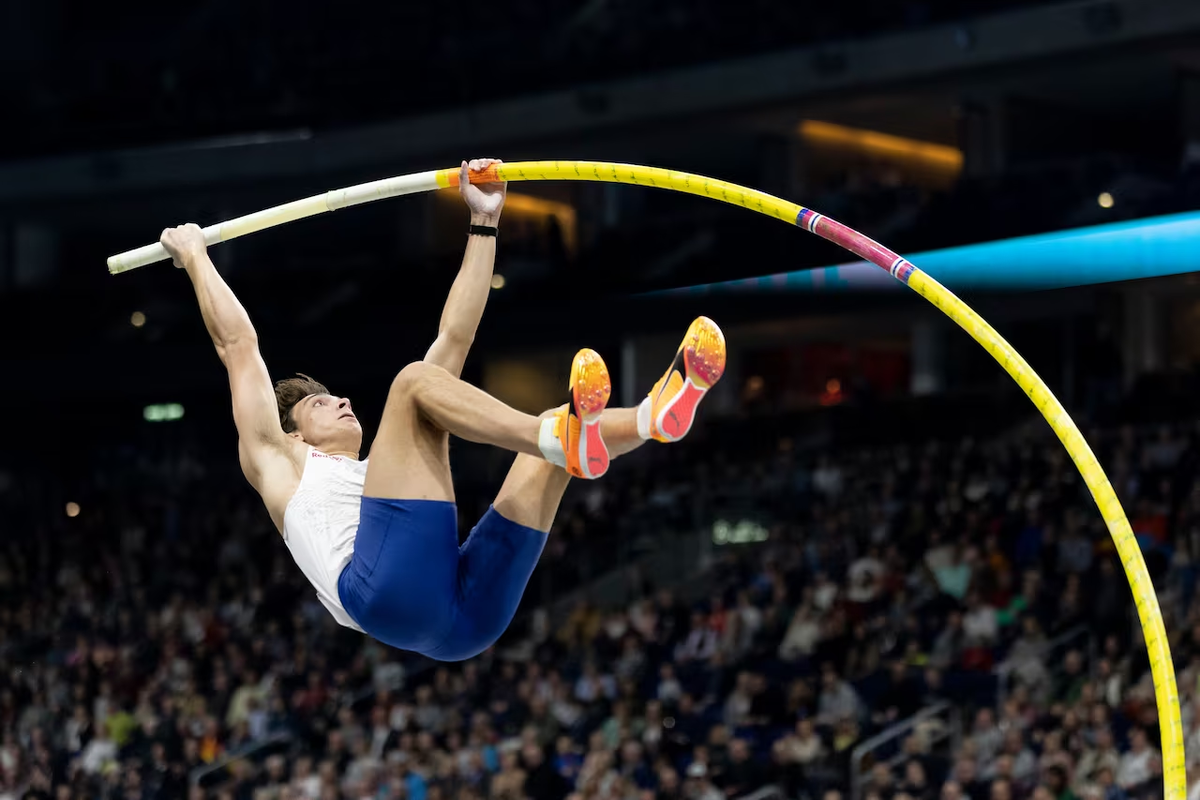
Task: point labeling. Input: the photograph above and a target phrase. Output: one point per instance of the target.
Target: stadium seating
(161, 632)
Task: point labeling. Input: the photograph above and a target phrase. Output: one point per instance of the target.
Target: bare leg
(410, 457)
(464, 410)
(534, 487)
(618, 426)
(531, 493)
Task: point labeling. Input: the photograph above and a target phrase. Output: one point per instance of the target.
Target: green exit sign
(744, 532)
(163, 412)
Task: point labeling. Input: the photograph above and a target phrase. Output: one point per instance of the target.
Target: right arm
(469, 294)
(263, 447)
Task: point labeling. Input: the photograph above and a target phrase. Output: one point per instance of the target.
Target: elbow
(232, 345)
(241, 340)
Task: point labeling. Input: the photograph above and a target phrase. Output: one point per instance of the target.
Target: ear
(297, 436)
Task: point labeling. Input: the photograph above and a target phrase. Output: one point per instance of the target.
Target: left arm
(469, 294)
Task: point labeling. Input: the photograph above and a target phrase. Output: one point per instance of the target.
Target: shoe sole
(703, 352)
(591, 388)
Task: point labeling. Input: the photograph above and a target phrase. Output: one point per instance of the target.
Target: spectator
(987, 737)
(700, 644)
(699, 786)
(803, 633)
(915, 784)
(838, 702)
(950, 643)
(99, 752)
(1139, 763)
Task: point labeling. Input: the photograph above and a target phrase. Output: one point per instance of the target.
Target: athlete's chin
(343, 438)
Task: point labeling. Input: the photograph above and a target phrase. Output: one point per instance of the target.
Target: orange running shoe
(699, 364)
(577, 424)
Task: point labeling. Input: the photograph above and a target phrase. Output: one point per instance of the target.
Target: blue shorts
(411, 586)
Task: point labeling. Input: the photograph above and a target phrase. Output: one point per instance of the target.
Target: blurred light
(498, 281)
(1105, 200)
(883, 144)
(530, 208)
(743, 532)
(73, 509)
(163, 412)
(138, 319)
(1114, 251)
(755, 384)
(564, 213)
(832, 395)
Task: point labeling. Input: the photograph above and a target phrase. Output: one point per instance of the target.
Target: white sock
(643, 419)
(549, 444)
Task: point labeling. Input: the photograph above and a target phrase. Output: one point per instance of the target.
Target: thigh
(410, 457)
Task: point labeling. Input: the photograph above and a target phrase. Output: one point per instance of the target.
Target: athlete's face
(328, 423)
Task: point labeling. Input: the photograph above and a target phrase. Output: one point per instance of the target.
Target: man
(379, 540)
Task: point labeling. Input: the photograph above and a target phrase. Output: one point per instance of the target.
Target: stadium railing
(275, 743)
(942, 721)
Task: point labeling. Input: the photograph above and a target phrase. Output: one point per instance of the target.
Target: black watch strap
(483, 230)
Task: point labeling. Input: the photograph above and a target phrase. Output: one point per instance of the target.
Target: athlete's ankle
(643, 419)
(550, 444)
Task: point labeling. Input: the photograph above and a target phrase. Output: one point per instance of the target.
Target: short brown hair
(289, 392)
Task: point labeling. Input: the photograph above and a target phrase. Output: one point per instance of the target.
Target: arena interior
(871, 572)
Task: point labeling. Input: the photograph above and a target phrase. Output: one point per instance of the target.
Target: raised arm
(262, 444)
(469, 294)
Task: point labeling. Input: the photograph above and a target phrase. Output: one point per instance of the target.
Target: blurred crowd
(160, 632)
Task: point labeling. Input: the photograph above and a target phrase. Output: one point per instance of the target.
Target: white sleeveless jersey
(320, 524)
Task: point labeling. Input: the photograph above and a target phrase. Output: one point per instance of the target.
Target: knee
(410, 381)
